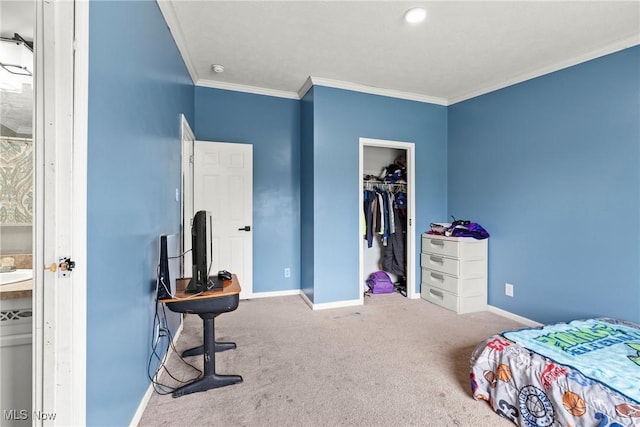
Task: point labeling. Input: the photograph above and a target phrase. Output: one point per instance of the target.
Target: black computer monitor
(202, 253)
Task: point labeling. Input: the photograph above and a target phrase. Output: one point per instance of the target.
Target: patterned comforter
(581, 373)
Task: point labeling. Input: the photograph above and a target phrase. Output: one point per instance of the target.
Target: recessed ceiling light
(217, 68)
(415, 15)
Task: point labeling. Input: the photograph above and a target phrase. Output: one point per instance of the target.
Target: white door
(59, 332)
(223, 185)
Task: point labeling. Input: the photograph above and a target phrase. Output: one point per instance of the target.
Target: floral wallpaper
(16, 181)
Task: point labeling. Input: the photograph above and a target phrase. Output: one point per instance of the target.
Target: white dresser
(454, 272)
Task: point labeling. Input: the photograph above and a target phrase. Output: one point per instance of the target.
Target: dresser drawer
(454, 247)
(440, 297)
(455, 285)
(453, 266)
(453, 302)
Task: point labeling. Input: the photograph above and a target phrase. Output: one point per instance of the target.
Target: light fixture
(16, 61)
(217, 68)
(415, 15)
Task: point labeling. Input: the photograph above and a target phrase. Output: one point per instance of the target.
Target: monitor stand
(213, 283)
(192, 287)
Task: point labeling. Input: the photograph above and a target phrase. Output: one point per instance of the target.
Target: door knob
(245, 228)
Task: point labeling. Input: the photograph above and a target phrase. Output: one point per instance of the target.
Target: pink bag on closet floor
(380, 283)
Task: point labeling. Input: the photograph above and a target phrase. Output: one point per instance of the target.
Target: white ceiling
(463, 49)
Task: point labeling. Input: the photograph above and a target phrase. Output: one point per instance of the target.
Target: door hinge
(191, 159)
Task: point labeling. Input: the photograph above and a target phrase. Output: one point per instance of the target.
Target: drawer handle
(436, 276)
(436, 259)
(436, 242)
(436, 294)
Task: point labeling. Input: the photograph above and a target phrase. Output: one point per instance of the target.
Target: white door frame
(409, 147)
(59, 325)
(186, 213)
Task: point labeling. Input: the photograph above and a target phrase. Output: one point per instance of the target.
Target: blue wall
(306, 176)
(340, 118)
(272, 126)
(551, 167)
(138, 86)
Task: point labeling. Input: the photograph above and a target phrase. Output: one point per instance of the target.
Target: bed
(580, 373)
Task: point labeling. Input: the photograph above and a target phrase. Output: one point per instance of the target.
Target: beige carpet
(391, 362)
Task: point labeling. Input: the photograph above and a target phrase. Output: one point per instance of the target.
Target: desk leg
(209, 379)
(219, 346)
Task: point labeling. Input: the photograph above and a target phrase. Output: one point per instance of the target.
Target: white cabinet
(454, 272)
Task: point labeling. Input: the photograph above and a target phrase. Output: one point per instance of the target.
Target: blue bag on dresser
(380, 283)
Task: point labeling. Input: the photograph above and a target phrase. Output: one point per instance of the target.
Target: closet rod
(373, 184)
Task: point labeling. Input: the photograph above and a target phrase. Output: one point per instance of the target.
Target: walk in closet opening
(386, 213)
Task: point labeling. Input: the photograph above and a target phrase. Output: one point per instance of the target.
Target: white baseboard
(147, 395)
(512, 316)
(306, 299)
(328, 305)
(337, 304)
(275, 294)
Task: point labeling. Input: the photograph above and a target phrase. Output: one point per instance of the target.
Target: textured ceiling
(464, 48)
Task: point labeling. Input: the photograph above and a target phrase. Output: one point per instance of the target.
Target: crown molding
(248, 89)
(338, 84)
(169, 13)
(306, 86)
(594, 54)
(318, 81)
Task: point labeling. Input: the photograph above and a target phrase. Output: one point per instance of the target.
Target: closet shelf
(372, 184)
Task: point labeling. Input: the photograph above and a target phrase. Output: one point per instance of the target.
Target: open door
(59, 331)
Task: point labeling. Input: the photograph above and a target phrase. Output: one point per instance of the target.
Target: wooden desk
(229, 287)
(208, 306)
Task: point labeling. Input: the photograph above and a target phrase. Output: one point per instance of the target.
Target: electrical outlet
(508, 289)
(287, 272)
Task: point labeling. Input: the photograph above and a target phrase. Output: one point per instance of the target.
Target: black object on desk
(208, 307)
(224, 275)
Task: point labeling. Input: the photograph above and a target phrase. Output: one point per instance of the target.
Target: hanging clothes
(373, 215)
(368, 201)
(395, 251)
(379, 212)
